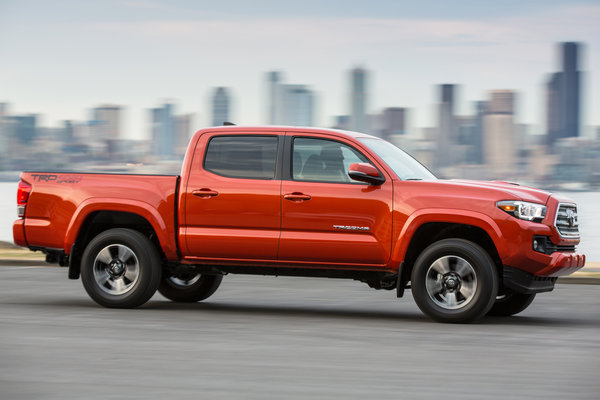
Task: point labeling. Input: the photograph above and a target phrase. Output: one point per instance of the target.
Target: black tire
(189, 288)
(454, 280)
(510, 303)
(120, 268)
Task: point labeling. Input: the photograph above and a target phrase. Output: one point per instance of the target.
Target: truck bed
(59, 203)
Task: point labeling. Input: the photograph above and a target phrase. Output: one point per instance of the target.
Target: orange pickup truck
(301, 202)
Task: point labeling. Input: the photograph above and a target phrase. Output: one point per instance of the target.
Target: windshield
(406, 167)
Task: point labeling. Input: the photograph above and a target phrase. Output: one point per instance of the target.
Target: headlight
(523, 210)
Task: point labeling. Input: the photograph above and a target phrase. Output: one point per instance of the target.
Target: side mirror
(365, 172)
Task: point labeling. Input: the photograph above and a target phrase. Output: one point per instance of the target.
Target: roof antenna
(227, 123)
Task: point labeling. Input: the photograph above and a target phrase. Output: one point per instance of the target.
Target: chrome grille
(567, 221)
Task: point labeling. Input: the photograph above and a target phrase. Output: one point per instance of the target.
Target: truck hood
(499, 189)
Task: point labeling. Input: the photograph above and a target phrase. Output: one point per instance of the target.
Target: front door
(328, 218)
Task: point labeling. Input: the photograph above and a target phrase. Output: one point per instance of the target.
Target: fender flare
(144, 210)
(443, 215)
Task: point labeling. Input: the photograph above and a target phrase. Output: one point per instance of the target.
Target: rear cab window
(242, 156)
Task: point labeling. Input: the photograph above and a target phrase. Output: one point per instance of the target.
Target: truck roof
(280, 128)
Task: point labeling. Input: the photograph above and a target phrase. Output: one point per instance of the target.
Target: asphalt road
(288, 338)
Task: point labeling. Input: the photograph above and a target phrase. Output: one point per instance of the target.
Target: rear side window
(248, 157)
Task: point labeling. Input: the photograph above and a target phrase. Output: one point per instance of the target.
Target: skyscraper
(298, 105)
(289, 104)
(274, 102)
(220, 106)
(563, 93)
(447, 130)
(183, 131)
(107, 122)
(358, 100)
(393, 121)
(163, 130)
(477, 138)
(3, 138)
(22, 127)
(499, 141)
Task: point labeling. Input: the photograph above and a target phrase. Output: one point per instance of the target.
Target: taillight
(22, 197)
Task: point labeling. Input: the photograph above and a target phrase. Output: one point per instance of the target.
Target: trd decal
(60, 178)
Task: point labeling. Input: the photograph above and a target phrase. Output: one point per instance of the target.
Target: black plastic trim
(547, 247)
(358, 275)
(524, 282)
(176, 215)
(400, 281)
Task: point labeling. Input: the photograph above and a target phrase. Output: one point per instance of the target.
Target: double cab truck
(309, 202)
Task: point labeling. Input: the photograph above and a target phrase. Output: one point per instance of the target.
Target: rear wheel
(454, 280)
(511, 303)
(120, 268)
(189, 287)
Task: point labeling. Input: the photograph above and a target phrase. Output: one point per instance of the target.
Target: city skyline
(60, 59)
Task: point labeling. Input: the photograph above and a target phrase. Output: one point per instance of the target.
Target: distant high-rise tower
(564, 96)
(500, 151)
(163, 130)
(447, 129)
(107, 122)
(22, 127)
(183, 131)
(4, 146)
(274, 106)
(220, 106)
(298, 105)
(477, 138)
(358, 114)
(393, 121)
(289, 104)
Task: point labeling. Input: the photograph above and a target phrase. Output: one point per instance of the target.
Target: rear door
(326, 216)
(232, 198)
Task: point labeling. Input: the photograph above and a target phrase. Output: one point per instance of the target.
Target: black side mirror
(365, 172)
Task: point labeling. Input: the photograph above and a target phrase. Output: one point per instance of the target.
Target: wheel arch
(98, 221)
(428, 232)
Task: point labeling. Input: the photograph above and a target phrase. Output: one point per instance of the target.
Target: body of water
(588, 204)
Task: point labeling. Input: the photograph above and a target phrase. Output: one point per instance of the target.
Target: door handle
(205, 193)
(296, 196)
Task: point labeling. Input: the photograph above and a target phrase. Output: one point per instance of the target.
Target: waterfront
(587, 202)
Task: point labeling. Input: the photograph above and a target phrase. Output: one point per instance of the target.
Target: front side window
(321, 160)
(248, 157)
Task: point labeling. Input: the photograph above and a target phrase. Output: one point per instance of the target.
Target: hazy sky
(60, 58)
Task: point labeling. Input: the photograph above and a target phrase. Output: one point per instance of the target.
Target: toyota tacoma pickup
(309, 202)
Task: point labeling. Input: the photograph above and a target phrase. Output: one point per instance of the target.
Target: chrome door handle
(205, 193)
(296, 196)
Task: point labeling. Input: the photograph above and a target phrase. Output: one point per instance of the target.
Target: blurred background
(479, 90)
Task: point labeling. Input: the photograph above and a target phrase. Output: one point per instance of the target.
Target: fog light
(543, 244)
(539, 244)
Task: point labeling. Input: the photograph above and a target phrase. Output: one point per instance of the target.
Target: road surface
(287, 338)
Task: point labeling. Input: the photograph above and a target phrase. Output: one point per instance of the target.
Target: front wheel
(511, 303)
(120, 268)
(189, 287)
(454, 280)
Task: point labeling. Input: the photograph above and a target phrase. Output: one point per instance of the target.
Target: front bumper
(559, 264)
(562, 264)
